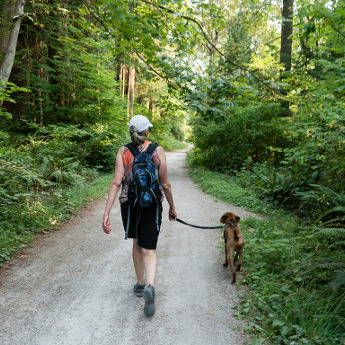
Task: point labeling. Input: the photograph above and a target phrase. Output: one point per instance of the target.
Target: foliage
(294, 278)
(30, 213)
(251, 133)
(5, 96)
(42, 173)
(58, 61)
(220, 185)
(238, 126)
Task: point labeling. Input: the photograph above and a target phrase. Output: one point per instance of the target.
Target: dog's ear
(224, 218)
(237, 218)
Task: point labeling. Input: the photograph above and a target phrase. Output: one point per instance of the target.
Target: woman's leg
(150, 264)
(138, 262)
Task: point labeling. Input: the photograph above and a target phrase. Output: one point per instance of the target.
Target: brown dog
(234, 242)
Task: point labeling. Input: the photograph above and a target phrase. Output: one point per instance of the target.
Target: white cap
(140, 122)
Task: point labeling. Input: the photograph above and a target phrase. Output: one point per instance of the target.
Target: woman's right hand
(106, 224)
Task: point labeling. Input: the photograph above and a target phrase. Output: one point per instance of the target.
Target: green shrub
(252, 132)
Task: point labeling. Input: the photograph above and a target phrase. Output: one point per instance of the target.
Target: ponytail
(137, 138)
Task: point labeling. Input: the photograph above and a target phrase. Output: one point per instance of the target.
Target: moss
(6, 21)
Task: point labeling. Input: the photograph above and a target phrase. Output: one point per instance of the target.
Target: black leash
(197, 226)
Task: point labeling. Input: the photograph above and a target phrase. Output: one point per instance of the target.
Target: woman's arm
(115, 186)
(163, 177)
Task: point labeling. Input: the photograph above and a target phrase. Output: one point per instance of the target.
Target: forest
(258, 88)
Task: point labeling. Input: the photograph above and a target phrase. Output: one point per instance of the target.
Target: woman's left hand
(172, 214)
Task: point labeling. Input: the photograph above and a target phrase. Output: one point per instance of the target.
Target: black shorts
(149, 223)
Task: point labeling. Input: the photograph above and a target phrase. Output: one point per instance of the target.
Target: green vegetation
(270, 133)
(31, 212)
(293, 273)
(258, 89)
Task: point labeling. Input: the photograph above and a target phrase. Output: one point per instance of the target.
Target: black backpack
(143, 189)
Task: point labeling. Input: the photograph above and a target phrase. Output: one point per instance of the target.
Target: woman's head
(139, 128)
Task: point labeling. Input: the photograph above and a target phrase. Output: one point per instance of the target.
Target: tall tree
(286, 32)
(12, 13)
(131, 83)
(286, 45)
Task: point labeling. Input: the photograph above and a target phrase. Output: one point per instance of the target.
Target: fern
(338, 281)
(331, 233)
(324, 263)
(334, 197)
(280, 186)
(336, 245)
(340, 210)
(47, 168)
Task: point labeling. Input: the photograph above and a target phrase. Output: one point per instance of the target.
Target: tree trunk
(12, 12)
(286, 40)
(131, 81)
(120, 78)
(124, 80)
(151, 105)
(286, 46)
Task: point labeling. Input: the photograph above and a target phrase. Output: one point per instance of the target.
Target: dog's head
(229, 217)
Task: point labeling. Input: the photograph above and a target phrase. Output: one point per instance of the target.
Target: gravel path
(74, 286)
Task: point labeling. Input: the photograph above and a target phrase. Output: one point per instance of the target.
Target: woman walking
(142, 224)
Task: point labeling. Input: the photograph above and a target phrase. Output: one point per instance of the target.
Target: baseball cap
(140, 122)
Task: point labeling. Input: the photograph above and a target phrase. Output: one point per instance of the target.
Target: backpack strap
(152, 148)
(134, 150)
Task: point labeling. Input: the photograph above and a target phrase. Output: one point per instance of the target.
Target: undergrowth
(44, 211)
(292, 273)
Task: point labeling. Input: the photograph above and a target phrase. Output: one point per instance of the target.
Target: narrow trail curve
(74, 286)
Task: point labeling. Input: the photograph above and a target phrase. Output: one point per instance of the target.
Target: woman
(145, 227)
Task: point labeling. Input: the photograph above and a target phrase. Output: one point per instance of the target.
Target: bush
(254, 132)
(38, 172)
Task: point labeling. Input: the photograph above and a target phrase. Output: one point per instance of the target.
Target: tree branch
(96, 16)
(190, 19)
(100, 20)
(154, 71)
(213, 46)
(331, 25)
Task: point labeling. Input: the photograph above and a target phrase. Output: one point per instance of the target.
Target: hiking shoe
(149, 296)
(139, 290)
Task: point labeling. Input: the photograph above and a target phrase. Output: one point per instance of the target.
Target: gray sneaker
(149, 296)
(139, 290)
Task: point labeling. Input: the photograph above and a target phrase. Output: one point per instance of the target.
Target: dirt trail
(74, 286)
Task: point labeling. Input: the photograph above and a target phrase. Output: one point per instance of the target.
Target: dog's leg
(231, 263)
(236, 256)
(239, 264)
(225, 264)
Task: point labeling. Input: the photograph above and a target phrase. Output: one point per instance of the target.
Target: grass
(44, 211)
(286, 274)
(227, 190)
